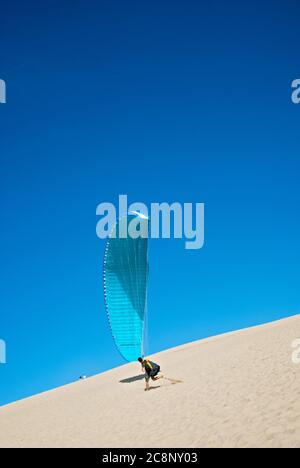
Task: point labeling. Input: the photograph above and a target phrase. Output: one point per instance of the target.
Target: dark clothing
(151, 368)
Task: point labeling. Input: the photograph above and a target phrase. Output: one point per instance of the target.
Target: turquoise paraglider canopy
(126, 283)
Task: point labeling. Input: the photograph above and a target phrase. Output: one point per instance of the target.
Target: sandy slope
(238, 390)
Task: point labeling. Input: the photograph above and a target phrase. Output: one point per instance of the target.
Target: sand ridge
(235, 390)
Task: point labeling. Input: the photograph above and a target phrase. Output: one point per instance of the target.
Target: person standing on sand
(151, 370)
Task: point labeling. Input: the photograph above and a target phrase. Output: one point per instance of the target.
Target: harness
(148, 364)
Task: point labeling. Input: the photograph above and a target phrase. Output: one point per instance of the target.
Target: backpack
(150, 366)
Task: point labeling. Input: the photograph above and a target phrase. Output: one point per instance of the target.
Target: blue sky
(163, 101)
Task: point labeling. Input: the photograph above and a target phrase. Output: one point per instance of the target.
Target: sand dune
(239, 390)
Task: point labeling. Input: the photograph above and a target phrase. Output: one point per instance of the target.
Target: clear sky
(184, 101)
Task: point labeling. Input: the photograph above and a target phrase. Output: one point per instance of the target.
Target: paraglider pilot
(151, 370)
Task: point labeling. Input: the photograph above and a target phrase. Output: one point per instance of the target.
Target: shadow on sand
(133, 379)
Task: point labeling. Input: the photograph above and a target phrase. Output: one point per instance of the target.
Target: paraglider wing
(125, 289)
